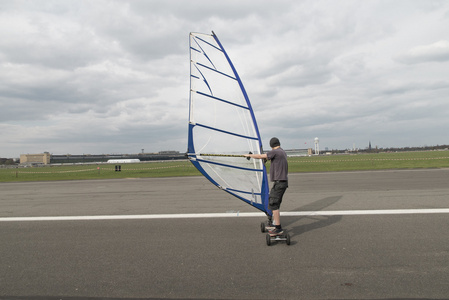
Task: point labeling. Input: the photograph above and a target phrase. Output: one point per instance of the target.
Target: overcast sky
(113, 76)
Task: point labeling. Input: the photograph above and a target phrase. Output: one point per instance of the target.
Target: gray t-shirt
(279, 165)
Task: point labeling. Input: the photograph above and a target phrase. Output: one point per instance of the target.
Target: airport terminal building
(33, 159)
(47, 158)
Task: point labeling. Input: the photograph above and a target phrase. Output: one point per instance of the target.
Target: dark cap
(274, 142)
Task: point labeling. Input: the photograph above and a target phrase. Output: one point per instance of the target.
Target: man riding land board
(279, 177)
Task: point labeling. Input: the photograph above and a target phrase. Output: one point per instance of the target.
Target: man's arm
(259, 156)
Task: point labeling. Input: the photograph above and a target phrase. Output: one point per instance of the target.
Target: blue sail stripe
(204, 41)
(227, 132)
(243, 192)
(228, 166)
(204, 79)
(222, 100)
(195, 49)
(260, 206)
(215, 70)
(204, 52)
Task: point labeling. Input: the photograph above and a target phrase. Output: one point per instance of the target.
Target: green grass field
(100, 171)
(375, 161)
(331, 163)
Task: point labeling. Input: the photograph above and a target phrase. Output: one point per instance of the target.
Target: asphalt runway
(400, 251)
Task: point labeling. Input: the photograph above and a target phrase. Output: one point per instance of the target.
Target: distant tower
(317, 146)
(369, 147)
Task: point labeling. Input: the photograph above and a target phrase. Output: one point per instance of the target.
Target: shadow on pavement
(317, 221)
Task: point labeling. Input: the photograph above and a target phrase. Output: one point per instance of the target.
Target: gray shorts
(276, 194)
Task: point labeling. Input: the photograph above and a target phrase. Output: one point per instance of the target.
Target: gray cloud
(112, 76)
(436, 52)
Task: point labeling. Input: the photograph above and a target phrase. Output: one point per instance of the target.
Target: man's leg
(274, 203)
(276, 217)
(277, 230)
(276, 195)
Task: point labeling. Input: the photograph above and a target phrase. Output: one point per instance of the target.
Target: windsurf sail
(222, 125)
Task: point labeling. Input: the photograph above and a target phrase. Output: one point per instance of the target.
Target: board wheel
(262, 227)
(287, 239)
(268, 238)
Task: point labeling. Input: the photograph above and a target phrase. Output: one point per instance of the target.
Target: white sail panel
(236, 181)
(222, 125)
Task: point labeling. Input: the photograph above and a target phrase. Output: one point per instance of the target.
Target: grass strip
(330, 163)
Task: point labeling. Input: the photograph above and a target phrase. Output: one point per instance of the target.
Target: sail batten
(228, 165)
(212, 45)
(229, 102)
(222, 123)
(215, 70)
(227, 132)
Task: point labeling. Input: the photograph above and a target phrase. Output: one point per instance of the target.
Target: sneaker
(270, 228)
(276, 231)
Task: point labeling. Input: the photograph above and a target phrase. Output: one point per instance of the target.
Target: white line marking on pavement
(229, 215)
(367, 212)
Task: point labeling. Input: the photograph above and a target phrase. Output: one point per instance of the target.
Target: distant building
(168, 152)
(47, 158)
(43, 158)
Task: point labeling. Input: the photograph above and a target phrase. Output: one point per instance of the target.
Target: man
(278, 175)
